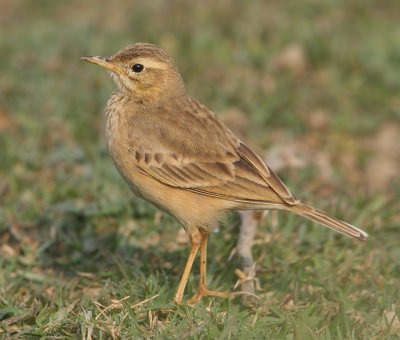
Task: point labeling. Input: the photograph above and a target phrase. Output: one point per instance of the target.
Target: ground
(313, 86)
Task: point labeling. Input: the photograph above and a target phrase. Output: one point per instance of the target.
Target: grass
(314, 85)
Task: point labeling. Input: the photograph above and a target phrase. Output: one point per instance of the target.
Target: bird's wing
(263, 170)
(215, 163)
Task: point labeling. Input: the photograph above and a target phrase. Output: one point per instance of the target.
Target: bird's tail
(321, 217)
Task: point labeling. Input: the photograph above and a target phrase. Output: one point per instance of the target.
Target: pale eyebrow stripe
(149, 63)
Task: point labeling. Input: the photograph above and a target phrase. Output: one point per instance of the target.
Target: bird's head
(143, 71)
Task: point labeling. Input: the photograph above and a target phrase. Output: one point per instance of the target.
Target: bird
(178, 155)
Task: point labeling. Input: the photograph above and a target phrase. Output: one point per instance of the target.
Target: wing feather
(215, 163)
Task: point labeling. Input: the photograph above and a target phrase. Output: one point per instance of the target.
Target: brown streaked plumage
(175, 153)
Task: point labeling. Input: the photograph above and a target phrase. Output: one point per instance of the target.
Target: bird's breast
(114, 122)
(117, 133)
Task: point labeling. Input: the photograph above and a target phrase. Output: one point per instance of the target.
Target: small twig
(97, 304)
(243, 278)
(115, 302)
(144, 301)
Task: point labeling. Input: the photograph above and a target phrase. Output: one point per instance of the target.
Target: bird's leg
(203, 260)
(195, 240)
(203, 291)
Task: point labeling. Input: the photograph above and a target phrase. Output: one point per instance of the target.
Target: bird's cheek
(146, 83)
(131, 86)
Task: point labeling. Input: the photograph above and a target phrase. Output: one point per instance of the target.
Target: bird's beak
(104, 62)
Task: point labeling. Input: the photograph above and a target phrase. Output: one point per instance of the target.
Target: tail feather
(321, 217)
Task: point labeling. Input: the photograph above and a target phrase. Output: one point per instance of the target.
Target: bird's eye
(137, 68)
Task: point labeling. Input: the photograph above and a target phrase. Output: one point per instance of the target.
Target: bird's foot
(204, 291)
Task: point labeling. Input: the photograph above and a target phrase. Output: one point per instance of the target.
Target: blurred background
(313, 86)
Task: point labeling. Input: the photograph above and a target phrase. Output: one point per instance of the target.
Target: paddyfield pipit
(175, 153)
